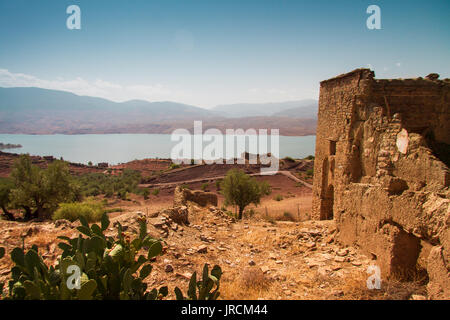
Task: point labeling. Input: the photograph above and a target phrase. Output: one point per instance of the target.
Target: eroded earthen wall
(381, 171)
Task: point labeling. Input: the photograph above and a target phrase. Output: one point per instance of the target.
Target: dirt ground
(275, 252)
(261, 256)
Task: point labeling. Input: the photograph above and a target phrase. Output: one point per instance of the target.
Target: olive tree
(39, 191)
(240, 189)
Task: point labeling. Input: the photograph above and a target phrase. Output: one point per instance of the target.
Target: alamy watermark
(74, 279)
(73, 22)
(374, 20)
(235, 146)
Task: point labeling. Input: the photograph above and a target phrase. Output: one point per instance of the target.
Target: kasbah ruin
(381, 171)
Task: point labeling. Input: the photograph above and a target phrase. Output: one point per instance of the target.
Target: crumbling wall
(202, 198)
(381, 171)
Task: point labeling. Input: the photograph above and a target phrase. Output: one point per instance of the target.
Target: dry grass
(254, 278)
(289, 209)
(42, 240)
(355, 288)
(250, 284)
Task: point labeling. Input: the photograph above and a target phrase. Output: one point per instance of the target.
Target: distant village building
(103, 165)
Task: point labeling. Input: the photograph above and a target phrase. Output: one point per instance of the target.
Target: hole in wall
(332, 148)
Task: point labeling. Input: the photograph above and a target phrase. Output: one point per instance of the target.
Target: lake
(121, 148)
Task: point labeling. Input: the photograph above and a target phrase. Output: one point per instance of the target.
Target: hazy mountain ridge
(36, 100)
(307, 109)
(43, 111)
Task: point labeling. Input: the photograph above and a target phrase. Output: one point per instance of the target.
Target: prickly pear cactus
(203, 289)
(94, 266)
(107, 268)
(2, 254)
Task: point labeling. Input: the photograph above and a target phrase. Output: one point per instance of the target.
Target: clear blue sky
(214, 52)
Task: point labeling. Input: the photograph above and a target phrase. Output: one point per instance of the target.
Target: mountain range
(299, 109)
(43, 111)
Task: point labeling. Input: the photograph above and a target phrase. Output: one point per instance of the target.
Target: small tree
(240, 189)
(146, 194)
(39, 191)
(5, 189)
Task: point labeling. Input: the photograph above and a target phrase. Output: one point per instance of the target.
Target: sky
(208, 53)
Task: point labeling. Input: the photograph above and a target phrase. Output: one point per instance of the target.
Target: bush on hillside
(91, 210)
(94, 184)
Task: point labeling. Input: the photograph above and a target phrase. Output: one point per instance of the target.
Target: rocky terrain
(261, 258)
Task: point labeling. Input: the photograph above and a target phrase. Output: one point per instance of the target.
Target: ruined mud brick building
(382, 171)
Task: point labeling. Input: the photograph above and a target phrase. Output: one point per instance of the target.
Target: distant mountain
(16, 101)
(35, 110)
(307, 107)
(42, 111)
(299, 112)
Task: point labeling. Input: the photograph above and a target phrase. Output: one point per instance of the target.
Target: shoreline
(129, 133)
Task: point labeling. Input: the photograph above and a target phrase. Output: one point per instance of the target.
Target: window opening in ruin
(332, 148)
(330, 200)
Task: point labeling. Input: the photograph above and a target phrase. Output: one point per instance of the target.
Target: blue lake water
(121, 148)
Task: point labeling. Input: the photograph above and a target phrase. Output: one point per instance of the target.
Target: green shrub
(278, 197)
(92, 211)
(287, 216)
(249, 213)
(155, 192)
(205, 186)
(174, 166)
(310, 157)
(145, 194)
(123, 195)
(93, 184)
(310, 172)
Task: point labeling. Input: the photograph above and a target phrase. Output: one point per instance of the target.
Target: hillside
(298, 112)
(35, 110)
